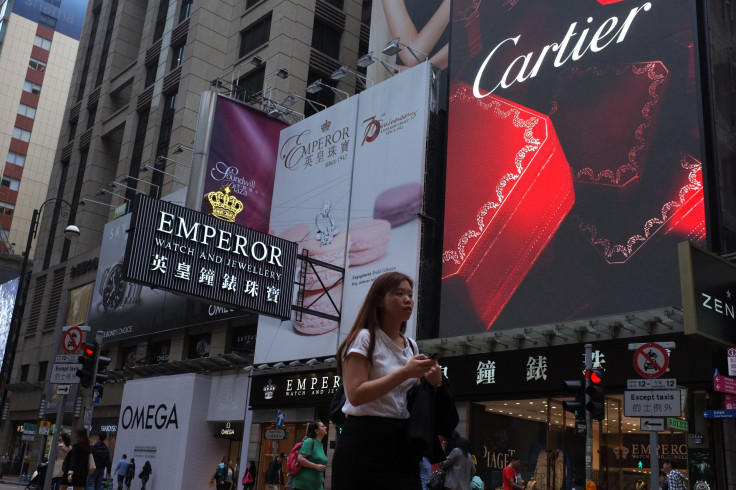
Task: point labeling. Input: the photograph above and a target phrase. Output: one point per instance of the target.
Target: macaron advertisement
(348, 191)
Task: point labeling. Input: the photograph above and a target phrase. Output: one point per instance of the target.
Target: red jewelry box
(620, 116)
(508, 188)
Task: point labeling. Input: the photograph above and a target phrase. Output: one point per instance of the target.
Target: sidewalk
(11, 480)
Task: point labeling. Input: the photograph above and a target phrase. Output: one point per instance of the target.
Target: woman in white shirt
(379, 365)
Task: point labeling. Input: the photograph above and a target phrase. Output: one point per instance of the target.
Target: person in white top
(379, 365)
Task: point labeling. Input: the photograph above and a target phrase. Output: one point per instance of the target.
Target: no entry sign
(651, 360)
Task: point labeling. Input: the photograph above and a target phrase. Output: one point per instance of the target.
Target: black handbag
(337, 417)
(436, 480)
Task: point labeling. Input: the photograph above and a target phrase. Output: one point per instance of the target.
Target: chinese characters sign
(181, 250)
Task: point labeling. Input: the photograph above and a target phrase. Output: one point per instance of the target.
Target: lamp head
(71, 231)
(366, 60)
(392, 47)
(282, 73)
(314, 87)
(340, 73)
(256, 61)
(289, 101)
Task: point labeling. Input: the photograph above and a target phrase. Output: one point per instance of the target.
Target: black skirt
(373, 453)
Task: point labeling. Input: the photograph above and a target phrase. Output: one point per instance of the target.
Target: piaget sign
(180, 250)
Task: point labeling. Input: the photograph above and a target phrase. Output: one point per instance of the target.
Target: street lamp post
(71, 231)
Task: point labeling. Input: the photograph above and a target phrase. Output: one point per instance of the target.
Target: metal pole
(654, 458)
(23, 461)
(588, 419)
(54, 442)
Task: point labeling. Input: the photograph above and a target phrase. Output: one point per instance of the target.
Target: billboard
(241, 157)
(349, 189)
(574, 161)
(207, 258)
(8, 292)
(68, 18)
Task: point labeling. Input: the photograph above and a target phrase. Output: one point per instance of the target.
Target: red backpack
(292, 462)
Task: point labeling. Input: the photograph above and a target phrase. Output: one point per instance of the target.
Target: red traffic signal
(89, 349)
(594, 375)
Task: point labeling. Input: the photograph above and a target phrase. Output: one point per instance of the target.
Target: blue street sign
(280, 418)
(719, 414)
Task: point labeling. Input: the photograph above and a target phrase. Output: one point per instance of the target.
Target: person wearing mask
(459, 466)
(65, 445)
(312, 459)
(76, 464)
(379, 365)
(121, 469)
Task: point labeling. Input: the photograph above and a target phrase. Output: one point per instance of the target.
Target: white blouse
(387, 358)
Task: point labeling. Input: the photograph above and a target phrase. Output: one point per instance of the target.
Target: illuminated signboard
(184, 251)
(574, 162)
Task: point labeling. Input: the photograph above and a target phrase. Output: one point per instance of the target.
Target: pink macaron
(368, 241)
(399, 204)
(332, 253)
(315, 325)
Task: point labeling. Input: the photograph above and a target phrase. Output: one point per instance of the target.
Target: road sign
(280, 418)
(652, 403)
(651, 360)
(63, 389)
(719, 414)
(732, 361)
(651, 384)
(677, 424)
(275, 434)
(64, 373)
(29, 428)
(666, 345)
(729, 402)
(724, 384)
(44, 431)
(27, 437)
(580, 427)
(71, 340)
(652, 424)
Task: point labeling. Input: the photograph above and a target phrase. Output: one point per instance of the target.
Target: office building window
(47, 21)
(22, 134)
(158, 30)
(24, 372)
(326, 39)
(16, 158)
(250, 83)
(10, 183)
(26, 110)
(32, 88)
(42, 43)
(151, 73)
(178, 55)
(255, 35)
(250, 3)
(186, 10)
(336, 3)
(36, 64)
(6, 208)
(43, 366)
(91, 115)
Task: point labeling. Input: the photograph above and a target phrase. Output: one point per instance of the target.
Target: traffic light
(102, 362)
(98, 391)
(88, 360)
(576, 407)
(596, 404)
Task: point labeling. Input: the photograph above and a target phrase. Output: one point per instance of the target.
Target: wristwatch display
(116, 292)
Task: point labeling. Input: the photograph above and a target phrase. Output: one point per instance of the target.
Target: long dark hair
(82, 440)
(369, 316)
(252, 468)
(463, 445)
(312, 429)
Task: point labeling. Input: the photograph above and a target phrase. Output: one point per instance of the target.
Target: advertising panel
(310, 207)
(242, 156)
(388, 186)
(122, 309)
(8, 292)
(174, 248)
(66, 18)
(574, 160)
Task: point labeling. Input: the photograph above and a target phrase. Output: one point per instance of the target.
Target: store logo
(298, 150)
(223, 205)
(269, 390)
(149, 417)
(720, 306)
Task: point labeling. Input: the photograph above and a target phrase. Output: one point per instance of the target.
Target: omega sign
(149, 417)
(180, 250)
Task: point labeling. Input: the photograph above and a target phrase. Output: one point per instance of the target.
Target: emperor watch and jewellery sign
(177, 249)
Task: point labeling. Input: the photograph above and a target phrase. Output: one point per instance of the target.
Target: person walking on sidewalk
(121, 470)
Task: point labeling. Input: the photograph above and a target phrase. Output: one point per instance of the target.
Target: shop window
(10, 183)
(255, 35)
(37, 65)
(32, 88)
(16, 159)
(199, 346)
(26, 110)
(161, 352)
(42, 43)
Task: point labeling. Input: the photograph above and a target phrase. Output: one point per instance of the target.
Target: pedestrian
(229, 472)
(511, 477)
(4, 461)
(220, 472)
(76, 465)
(145, 474)
(312, 459)
(459, 467)
(662, 480)
(425, 469)
(101, 454)
(249, 479)
(130, 474)
(65, 445)
(379, 365)
(675, 480)
(274, 476)
(121, 470)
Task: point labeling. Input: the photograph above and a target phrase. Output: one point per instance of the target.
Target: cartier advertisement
(574, 162)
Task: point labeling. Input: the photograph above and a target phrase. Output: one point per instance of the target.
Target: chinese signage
(181, 250)
(300, 388)
(652, 403)
(573, 163)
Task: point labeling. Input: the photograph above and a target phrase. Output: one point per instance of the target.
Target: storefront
(514, 407)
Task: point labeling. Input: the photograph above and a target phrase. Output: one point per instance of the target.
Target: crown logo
(269, 390)
(223, 205)
(326, 126)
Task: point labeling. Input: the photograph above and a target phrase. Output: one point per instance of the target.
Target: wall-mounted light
(394, 46)
(162, 159)
(318, 85)
(343, 71)
(366, 60)
(85, 200)
(256, 61)
(180, 148)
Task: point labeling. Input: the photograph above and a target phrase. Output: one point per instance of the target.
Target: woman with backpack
(312, 459)
(249, 479)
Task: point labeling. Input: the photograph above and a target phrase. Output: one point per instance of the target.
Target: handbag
(436, 480)
(247, 478)
(91, 467)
